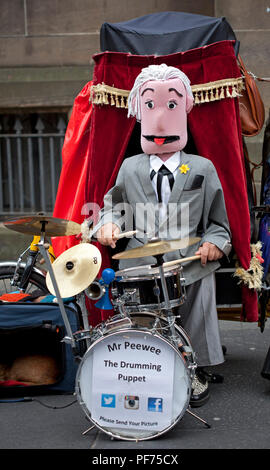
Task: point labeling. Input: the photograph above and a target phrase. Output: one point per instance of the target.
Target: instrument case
(32, 330)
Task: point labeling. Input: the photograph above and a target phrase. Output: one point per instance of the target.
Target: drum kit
(134, 378)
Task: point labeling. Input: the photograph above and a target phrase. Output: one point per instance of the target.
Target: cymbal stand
(169, 312)
(43, 247)
(81, 302)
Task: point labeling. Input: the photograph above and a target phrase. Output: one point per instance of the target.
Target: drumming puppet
(169, 193)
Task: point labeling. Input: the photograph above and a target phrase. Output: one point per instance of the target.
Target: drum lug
(131, 295)
(83, 335)
(114, 292)
(67, 340)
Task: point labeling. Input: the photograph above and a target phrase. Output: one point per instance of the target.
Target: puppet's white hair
(153, 72)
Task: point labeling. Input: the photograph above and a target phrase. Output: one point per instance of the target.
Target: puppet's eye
(150, 104)
(172, 104)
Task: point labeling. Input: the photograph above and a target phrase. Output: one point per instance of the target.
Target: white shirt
(172, 164)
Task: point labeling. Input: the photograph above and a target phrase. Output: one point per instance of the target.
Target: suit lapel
(181, 178)
(143, 174)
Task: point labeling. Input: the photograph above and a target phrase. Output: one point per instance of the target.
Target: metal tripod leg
(45, 255)
(88, 430)
(200, 419)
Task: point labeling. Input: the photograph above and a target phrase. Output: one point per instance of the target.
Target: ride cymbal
(157, 247)
(75, 269)
(52, 226)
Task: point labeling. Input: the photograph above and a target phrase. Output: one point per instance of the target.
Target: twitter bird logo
(107, 401)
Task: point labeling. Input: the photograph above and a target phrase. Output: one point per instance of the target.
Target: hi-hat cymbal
(157, 247)
(52, 226)
(75, 269)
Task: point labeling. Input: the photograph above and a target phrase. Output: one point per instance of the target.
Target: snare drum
(132, 382)
(141, 287)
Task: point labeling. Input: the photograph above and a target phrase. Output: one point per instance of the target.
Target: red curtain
(215, 128)
(70, 197)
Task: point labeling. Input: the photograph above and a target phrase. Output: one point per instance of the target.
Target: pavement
(238, 411)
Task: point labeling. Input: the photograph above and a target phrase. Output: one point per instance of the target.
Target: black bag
(31, 335)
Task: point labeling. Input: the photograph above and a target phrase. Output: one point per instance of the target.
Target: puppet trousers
(198, 317)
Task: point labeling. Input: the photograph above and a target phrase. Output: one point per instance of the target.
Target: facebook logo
(107, 401)
(155, 404)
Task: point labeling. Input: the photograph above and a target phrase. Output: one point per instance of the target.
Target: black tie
(163, 171)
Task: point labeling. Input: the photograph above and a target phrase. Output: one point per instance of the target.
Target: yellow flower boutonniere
(184, 168)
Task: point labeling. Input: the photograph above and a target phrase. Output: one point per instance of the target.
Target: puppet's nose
(160, 123)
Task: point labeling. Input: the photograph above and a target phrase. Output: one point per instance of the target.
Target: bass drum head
(133, 384)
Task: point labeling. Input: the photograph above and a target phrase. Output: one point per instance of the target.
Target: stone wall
(46, 46)
(250, 20)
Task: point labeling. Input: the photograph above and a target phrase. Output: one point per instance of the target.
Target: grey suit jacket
(196, 208)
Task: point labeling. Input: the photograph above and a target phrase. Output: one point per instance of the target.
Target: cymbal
(53, 226)
(75, 269)
(157, 247)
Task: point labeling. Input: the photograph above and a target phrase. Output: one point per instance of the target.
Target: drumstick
(181, 260)
(125, 234)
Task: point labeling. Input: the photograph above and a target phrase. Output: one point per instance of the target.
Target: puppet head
(161, 98)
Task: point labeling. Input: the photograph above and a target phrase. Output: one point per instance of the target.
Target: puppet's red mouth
(161, 140)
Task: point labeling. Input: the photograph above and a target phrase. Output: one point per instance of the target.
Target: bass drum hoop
(146, 313)
(114, 433)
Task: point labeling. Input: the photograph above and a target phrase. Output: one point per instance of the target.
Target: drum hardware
(131, 296)
(87, 330)
(82, 335)
(120, 305)
(15, 278)
(122, 322)
(156, 292)
(155, 326)
(69, 339)
(88, 430)
(168, 309)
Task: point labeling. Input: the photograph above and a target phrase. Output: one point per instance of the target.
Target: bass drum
(132, 382)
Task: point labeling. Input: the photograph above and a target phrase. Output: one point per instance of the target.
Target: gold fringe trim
(102, 94)
(252, 277)
(219, 90)
(105, 94)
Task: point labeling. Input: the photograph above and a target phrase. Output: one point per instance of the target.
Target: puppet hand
(209, 252)
(106, 235)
